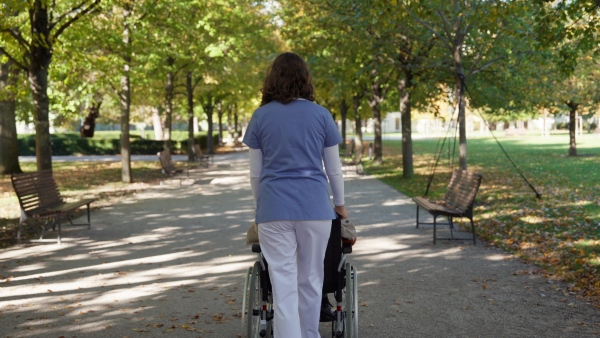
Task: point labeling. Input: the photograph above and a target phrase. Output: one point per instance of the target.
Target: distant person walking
(290, 137)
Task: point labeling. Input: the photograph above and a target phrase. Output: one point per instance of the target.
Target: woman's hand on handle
(341, 210)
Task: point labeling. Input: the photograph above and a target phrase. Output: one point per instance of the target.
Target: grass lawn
(559, 233)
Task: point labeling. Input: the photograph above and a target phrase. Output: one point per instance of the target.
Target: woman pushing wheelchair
(290, 137)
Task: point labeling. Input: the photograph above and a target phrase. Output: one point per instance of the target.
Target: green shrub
(73, 144)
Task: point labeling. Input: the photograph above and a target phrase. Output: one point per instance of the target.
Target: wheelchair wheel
(252, 306)
(351, 303)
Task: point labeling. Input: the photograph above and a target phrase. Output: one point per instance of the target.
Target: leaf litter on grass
(559, 233)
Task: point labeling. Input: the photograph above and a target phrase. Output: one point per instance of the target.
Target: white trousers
(294, 251)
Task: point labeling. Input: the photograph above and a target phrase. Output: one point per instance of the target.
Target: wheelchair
(340, 279)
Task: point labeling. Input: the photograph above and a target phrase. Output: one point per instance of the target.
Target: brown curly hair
(287, 79)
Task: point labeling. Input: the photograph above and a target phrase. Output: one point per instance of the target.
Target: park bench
(354, 159)
(349, 150)
(39, 198)
(458, 202)
(200, 158)
(168, 168)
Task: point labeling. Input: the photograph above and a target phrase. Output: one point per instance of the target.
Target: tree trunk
(358, 138)
(344, 114)
(572, 127)
(378, 144)
(39, 61)
(9, 145)
(220, 120)
(208, 109)
(236, 135)
(157, 123)
(230, 131)
(235, 121)
(404, 88)
(169, 88)
(375, 104)
(459, 94)
(125, 99)
(190, 104)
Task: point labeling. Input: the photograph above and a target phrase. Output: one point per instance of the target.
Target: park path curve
(170, 261)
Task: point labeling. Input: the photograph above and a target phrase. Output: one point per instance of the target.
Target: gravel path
(170, 261)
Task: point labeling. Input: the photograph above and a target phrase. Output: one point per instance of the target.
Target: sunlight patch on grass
(533, 219)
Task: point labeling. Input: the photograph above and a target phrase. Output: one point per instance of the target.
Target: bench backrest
(166, 161)
(197, 152)
(350, 149)
(36, 191)
(461, 191)
(358, 155)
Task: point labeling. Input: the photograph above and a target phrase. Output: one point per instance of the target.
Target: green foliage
(571, 27)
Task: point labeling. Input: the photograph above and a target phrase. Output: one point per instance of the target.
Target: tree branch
(432, 30)
(15, 33)
(446, 25)
(10, 57)
(74, 18)
(487, 64)
(481, 53)
(65, 14)
(180, 68)
(197, 82)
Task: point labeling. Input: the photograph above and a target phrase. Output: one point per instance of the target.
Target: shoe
(327, 314)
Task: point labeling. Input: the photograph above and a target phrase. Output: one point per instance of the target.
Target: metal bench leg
(59, 231)
(434, 228)
(417, 216)
(46, 226)
(451, 224)
(89, 219)
(473, 230)
(19, 232)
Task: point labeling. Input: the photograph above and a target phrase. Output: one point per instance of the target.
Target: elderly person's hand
(341, 210)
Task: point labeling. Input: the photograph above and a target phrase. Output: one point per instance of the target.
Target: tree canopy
(205, 59)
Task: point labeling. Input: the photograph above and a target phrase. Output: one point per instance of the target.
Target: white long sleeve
(333, 169)
(256, 163)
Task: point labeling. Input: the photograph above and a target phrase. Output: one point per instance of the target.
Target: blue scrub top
(292, 137)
